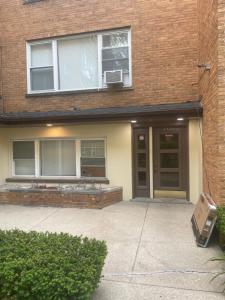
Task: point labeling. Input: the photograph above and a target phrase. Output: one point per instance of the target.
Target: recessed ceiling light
(180, 119)
(133, 121)
(49, 125)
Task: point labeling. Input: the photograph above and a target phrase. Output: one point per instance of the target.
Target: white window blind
(58, 158)
(24, 158)
(78, 63)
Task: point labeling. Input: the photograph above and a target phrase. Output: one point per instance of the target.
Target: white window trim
(54, 41)
(37, 142)
(54, 65)
(100, 81)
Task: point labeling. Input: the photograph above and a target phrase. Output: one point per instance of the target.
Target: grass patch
(49, 266)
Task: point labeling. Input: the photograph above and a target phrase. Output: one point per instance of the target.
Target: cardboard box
(204, 219)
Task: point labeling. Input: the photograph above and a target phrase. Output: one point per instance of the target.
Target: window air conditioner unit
(113, 78)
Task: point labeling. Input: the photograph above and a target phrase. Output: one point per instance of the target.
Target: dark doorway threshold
(161, 200)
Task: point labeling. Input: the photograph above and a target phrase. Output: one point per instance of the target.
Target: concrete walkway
(152, 253)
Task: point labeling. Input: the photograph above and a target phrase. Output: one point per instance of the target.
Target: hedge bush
(47, 266)
(221, 226)
(221, 219)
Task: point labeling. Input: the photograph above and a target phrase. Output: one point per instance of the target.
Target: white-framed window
(78, 62)
(92, 158)
(115, 54)
(23, 158)
(41, 67)
(59, 158)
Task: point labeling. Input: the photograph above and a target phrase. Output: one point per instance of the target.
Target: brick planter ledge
(59, 198)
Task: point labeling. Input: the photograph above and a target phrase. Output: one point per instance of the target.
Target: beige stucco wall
(195, 160)
(118, 151)
(4, 165)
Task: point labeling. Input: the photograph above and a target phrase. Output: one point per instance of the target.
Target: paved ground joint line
(140, 238)
(46, 218)
(160, 272)
(162, 286)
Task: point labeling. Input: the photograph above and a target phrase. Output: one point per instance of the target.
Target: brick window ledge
(58, 180)
(66, 93)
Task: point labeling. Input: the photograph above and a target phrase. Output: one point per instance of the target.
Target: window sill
(67, 93)
(58, 180)
(31, 1)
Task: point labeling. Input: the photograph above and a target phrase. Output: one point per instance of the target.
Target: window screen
(93, 158)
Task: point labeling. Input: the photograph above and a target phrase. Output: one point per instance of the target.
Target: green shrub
(49, 266)
(221, 219)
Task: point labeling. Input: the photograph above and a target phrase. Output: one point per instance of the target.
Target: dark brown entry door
(141, 184)
(170, 159)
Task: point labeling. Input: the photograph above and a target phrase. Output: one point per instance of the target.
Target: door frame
(184, 186)
(134, 129)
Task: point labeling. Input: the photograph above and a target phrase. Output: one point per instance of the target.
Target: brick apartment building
(62, 120)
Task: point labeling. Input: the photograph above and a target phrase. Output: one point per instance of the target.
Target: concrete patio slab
(190, 280)
(152, 252)
(24, 218)
(112, 290)
(177, 255)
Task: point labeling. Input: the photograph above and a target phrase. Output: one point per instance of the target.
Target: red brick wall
(221, 99)
(62, 199)
(208, 83)
(164, 48)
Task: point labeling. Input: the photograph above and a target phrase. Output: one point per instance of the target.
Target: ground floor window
(24, 158)
(59, 157)
(93, 158)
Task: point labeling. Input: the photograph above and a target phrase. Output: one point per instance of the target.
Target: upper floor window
(78, 62)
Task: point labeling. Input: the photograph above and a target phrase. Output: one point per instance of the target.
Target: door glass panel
(141, 142)
(142, 178)
(142, 160)
(169, 179)
(169, 160)
(169, 141)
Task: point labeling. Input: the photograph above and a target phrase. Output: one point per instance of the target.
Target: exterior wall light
(180, 119)
(49, 125)
(133, 121)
